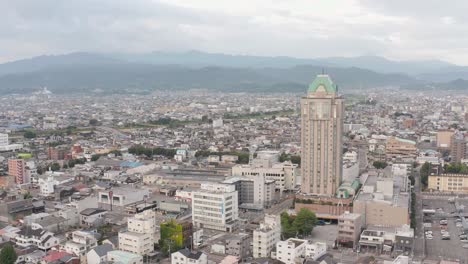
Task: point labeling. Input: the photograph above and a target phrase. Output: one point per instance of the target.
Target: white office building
(215, 206)
(4, 146)
(283, 174)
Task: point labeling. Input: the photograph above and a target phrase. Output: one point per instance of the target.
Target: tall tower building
(322, 116)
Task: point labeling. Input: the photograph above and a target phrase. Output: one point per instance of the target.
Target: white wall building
(4, 146)
(296, 250)
(80, 244)
(291, 251)
(139, 237)
(284, 174)
(314, 250)
(266, 236)
(185, 256)
(47, 184)
(215, 206)
(98, 254)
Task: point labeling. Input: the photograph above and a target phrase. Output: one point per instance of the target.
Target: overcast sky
(396, 29)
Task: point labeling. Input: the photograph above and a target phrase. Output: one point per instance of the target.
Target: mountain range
(143, 73)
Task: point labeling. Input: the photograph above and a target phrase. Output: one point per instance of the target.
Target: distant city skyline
(396, 30)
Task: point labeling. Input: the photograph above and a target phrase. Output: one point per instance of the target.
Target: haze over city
(228, 132)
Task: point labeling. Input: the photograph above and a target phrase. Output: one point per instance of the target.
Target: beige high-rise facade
(322, 115)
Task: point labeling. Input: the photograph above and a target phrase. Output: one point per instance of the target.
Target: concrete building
(4, 146)
(215, 206)
(283, 174)
(253, 191)
(80, 244)
(321, 138)
(119, 198)
(185, 256)
(98, 254)
(315, 250)
(239, 245)
(448, 182)
(399, 148)
(383, 201)
(291, 251)
(140, 235)
(17, 169)
(443, 139)
(92, 217)
(3, 140)
(349, 229)
(324, 207)
(458, 147)
(123, 257)
(404, 240)
(266, 236)
(294, 250)
(380, 239)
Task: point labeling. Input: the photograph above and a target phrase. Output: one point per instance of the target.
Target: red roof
(80, 186)
(55, 255)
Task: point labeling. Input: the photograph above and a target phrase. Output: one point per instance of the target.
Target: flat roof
(123, 256)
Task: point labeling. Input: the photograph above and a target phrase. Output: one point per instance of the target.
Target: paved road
(281, 207)
(419, 242)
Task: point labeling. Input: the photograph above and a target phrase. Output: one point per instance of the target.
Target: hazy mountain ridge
(126, 73)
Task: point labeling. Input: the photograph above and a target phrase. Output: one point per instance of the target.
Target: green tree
(296, 159)
(283, 157)
(95, 157)
(29, 134)
(305, 221)
(379, 164)
(27, 196)
(288, 230)
(8, 255)
(93, 122)
(425, 171)
(301, 224)
(55, 166)
(172, 238)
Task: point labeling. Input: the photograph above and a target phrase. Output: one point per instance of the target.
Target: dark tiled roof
(103, 249)
(91, 211)
(29, 232)
(191, 255)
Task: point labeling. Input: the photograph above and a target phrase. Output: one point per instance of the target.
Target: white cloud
(304, 28)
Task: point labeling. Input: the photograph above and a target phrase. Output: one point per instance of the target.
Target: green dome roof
(323, 80)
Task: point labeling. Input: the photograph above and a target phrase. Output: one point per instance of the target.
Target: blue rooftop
(130, 164)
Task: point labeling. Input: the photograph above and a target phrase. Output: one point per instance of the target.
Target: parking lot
(437, 248)
(325, 233)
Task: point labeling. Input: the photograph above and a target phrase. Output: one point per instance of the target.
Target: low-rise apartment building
(448, 182)
(266, 236)
(139, 237)
(349, 229)
(296, 250)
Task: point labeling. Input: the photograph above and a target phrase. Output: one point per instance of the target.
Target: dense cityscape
(233, 132)
(199, 177)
